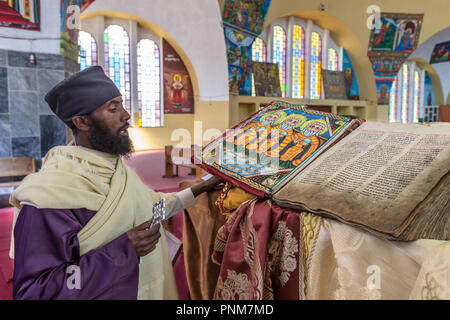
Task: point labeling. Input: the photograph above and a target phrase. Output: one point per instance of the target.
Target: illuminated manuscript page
(375, 176)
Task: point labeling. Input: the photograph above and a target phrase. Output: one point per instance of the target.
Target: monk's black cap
(81, 93)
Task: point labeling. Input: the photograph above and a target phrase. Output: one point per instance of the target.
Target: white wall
(196, 26)
(50, 28)
(424, 52)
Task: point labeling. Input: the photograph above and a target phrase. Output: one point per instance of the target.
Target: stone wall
(27, 125)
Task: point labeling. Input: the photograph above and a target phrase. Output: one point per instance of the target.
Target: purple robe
(46, 246)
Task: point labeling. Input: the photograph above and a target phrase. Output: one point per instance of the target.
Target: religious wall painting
(21, 14)
(441, 52)
(239, 53)
(397, 32)
(351, 82)
(334, 84)
(248, 15)
(266, 149)
(390, 45)
(178, 92)
(384, 86)
(266, 78)
(234, 75)
(386, 64)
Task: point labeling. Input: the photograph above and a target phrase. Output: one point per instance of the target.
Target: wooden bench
(178, 161)
(13, 170)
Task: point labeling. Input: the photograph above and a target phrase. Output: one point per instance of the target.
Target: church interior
(189, 71)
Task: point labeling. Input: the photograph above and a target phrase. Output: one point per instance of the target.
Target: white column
(308, 59)
(133, 35)
(99, 36)
(269, 44)
(422, 94)
(341, 59)
(325, 39)
(289, 36)
(412, 71)
(161, 74)
(400, 96)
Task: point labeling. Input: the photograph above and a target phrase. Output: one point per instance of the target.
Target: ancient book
(387, 178)
(390, 179)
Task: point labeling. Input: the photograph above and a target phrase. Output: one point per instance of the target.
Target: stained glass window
(393, 102)
(259, 50)
(416, 96)
(279, 55)
(88, 50)
(333, 60)
(259, 55)
(405, 85)
(149, 84)
(117, 60)
(298, 62)
(316, 66)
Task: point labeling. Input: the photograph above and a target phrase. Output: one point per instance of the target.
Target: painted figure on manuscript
(255, 131)
(300, 145)
(286, 129)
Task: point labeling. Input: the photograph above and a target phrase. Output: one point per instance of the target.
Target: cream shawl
(75, 177)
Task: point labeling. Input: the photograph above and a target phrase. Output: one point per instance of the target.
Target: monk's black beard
(103, 141)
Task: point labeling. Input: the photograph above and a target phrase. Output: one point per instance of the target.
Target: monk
(82, 223)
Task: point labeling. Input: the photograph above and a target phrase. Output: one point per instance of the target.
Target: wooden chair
(176, 161)
(13, 170)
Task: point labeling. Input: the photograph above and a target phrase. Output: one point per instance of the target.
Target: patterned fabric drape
(267, 252)
(264, 251)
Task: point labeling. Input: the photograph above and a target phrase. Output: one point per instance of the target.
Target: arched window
(117, 60)
(88, 50)
(259, 50)
(149, 84)
(259, 54)
(333, 60)
(316, 66)
(279, 55)
(298, 62)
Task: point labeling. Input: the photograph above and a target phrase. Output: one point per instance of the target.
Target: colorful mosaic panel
(149, 84)
(117, 60)
(316, 66)
(88, 50)
(279, 55)
(298, 62)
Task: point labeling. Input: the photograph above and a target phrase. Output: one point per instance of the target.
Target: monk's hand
(205, 186)
(144, 239)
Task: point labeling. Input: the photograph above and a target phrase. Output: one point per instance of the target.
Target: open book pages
(174, 245)
(390, 179)
(263, 152)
